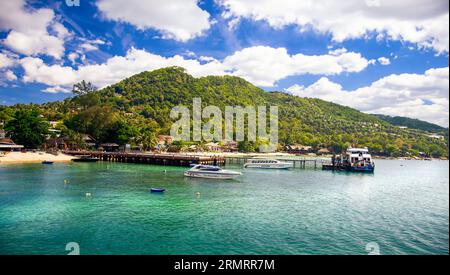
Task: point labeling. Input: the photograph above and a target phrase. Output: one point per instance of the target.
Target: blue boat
(157, 190)
(47, 162)
(367, 168)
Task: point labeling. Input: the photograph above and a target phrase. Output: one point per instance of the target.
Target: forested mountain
(412, 123)
(137, 109)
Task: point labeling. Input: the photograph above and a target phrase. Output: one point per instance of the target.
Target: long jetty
(152, 158)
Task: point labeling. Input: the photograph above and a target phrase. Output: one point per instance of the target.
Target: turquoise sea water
(403, 207)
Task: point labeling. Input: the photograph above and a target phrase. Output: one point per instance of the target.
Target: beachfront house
(7, 144)
(164, 142)
(230, 146)
(323, 151)
(89, 141)
(213, 147)
(298, 149)
(109, 147)
(65, 143)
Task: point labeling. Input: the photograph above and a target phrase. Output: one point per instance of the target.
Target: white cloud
(37, 71)
(384, 61)
(90, 45)
(189, 54)
(206, 58)
(178, 19)
(72, 57)
(261, 65)
(29, 29)
(9, 75)
(264, 66)
(422, 22)
(6, 61)
(113, 70)
(56, 89)
(397, 94)
(87, 47)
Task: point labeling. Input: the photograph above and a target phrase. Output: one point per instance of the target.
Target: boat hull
(268, 166)
(205, 175)
(157, 190)
(363, 169)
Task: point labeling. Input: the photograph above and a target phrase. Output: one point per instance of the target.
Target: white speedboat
(210, 172)
(267, 164)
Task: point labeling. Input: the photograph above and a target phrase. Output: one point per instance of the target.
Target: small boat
(210, 172)
(86, 159)
(267, 164)
(47, 162)
(157, 190)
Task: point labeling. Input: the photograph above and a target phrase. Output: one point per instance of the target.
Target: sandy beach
(32, 157)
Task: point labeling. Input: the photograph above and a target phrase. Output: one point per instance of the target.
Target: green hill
(137, 109)
(412, 123)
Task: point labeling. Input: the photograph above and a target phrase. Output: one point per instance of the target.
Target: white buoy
(88, 194)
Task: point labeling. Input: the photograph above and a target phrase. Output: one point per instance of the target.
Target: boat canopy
(357, 150)
(207, 167)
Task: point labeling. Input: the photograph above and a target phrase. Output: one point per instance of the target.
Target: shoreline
(39, 156)
(33, 157)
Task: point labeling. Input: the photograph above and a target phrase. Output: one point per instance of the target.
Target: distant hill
(144, 101)
(412, 123)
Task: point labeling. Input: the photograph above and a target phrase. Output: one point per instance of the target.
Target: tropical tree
(98, 121)
(147, 139)
(27, 127)
(83, 88)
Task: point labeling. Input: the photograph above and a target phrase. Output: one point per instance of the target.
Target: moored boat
(157, 190)
(354, 160)
(210, 172)
(267, 164)
(86, 159)
(360, 160)
(47, 162)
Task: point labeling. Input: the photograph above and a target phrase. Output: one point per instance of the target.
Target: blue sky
(377, 56)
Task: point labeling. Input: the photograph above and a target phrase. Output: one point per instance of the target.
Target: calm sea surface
(403, 207)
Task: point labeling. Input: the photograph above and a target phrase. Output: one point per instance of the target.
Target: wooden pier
(151, 158)
(296, 163)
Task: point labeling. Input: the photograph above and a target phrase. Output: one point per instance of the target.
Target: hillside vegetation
(413, 123)
(136, 110)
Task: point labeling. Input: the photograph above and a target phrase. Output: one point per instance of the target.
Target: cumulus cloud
(264, 66)
(384, 61)
(9, 75)
(178, 19)
(423, 96)
(422, 22)
(56, 89)
(29, 30)
(6, 61)
(261, 65)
